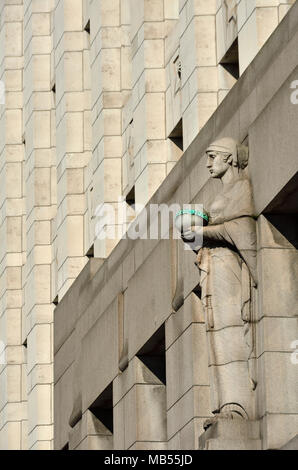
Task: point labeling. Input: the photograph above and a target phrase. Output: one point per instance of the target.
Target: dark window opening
(198, 291)
(153, 354)
(87, 27)
(90, 252)
(131, 198)
(102, 408)
(230, 61)
(176, 135)
(286, 225)
(53, 89)
(286, 201)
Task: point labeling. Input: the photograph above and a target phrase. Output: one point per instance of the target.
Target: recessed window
(230, 61)
(153, 354)
(176, 135)
(102, 408)
(87, 27)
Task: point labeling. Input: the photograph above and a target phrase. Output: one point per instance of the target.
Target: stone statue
(227, 264)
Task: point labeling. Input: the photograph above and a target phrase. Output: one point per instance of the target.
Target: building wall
(102, 98)
(115, 329)
(13, 422)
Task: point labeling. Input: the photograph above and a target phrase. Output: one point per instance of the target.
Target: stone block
(63, 407)
(96, 443)
(90, 434)
(145, 414)
(13, 126)
(278, 430)
(74, 132)
(110, 69)
(267, 21)
(13, 38)
(149, 446)
(10, 326)
(135, 373)
(276, 334)
(97, 373)
(277, 396)
(171, 9)
(40, 374)
(39, 346)
(40, 435)
(191, 312)
(231, 435)
(201, 32)
(10, 384)
(195, 403)
(42, 445)
(10, 436)
(155, 307)
(248, 42)
(187, 363)
(275, 264)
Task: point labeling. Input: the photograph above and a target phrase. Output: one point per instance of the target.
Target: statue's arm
(216, 233)
(211, 235)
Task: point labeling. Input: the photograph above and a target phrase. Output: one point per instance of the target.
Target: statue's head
(224, 155)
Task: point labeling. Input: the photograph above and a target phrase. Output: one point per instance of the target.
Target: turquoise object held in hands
(193, 212)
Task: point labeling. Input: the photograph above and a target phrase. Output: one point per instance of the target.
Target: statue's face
(217, 164)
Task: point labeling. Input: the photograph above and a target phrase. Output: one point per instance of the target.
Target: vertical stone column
(106, 104)
(139, 409)
(148, 96)
(13, 409)
(257, 20)
(73, 139)
(277, 332)
(88, 171)
(39, 176)
(128, 167)
(188, 397)
(173, 69)
(199, 79)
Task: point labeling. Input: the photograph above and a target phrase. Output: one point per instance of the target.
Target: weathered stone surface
(291, 445)
(232, 435)
(191, 312)
(187, 363)
(153, 299)
(90, 434)
(106, 98)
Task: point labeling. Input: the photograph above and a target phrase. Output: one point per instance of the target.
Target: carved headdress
(227, 145)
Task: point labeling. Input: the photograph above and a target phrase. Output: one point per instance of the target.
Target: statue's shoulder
(243, 183)
(238, 188)
(240, 201)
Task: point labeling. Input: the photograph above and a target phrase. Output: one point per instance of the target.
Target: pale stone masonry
(102, 99)
(13, 378)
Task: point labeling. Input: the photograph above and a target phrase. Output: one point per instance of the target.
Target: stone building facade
(109, 99)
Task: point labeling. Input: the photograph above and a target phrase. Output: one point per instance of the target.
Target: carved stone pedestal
(228, 434)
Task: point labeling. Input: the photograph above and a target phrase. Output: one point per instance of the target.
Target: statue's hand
(188, 235)
(193, 237)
